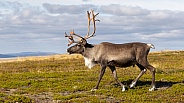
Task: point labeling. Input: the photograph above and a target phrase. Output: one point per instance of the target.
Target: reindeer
(111, 55)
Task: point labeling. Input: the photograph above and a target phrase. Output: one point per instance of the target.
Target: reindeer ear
(83, 42)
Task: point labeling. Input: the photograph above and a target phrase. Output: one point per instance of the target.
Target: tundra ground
(62, 78)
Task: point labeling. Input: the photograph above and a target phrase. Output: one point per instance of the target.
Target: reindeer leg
(143, 70)
(152, 70)
(103, 68)
(113, 69)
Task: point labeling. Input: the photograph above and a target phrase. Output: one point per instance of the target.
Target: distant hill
(6, 56)
(24, 54)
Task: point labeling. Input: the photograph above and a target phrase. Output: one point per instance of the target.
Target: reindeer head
(79, 47)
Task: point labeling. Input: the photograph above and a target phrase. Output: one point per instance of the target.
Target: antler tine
(94, 25)
(89, 19)
(71, 40)
(72, 36)
(72, 33)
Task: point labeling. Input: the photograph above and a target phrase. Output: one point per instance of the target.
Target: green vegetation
(67, 80)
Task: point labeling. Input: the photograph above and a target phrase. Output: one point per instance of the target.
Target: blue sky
(39, 25)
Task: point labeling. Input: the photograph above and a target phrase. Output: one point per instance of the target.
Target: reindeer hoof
(152, 89)
(133, 84)
(92, 90)
(123, 88)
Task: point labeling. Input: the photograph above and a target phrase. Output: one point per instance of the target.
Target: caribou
(111, 55)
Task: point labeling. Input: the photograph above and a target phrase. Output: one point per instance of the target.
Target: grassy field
(61, 78)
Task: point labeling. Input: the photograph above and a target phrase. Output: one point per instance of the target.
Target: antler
(72, 34)
(71, 38)
(94, 25)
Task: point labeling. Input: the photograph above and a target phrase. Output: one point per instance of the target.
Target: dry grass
(65, 79)
(38, 58)
(66, 56)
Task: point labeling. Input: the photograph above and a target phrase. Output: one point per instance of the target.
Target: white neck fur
(89, 62)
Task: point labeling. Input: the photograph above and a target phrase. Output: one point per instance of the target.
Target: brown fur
(119, 55)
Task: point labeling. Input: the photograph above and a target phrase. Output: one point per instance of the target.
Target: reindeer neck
(87, 50)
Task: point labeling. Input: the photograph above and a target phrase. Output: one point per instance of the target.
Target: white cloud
(71, 9)
(119, 10)
(22, 23)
